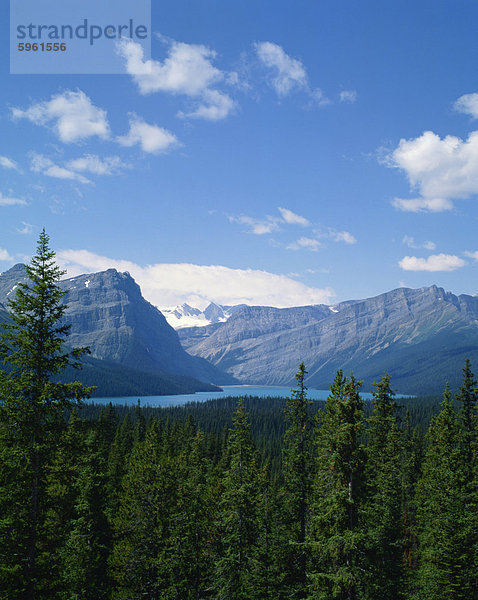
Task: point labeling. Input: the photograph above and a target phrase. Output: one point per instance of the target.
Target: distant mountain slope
(107, 312)
(421, 337)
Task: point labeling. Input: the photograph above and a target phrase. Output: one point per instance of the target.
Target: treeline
(175, 504)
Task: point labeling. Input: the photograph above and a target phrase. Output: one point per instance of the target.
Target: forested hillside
(316, 501)
(331, 500)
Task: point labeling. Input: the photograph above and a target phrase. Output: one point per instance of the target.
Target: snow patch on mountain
(185, 315)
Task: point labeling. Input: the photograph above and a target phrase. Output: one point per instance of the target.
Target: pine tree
(83, 555)
(32, 348)
(468, 396)
(297, 487)
(336, 540)
(412, 458)
(140, 563)
(382, 511)
(237, 521)
(443, 543)
(190, 545)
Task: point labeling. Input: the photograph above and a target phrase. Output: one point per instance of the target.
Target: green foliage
(441, 510)
(382, 510)
(31, 413)
(238, 516)
(297, 474)
(337, 539)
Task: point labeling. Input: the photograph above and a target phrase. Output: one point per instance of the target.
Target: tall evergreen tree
(412, 458)
(443, 548)
(32, 348)
(237, 519)
(337, 541)
(140, 564)
(83, 555)
(468, 397)
(297, 458)
(381, 513)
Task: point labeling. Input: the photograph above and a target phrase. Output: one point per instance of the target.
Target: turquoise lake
(228, 390)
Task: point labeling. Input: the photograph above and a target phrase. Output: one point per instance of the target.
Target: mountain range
(420, 336)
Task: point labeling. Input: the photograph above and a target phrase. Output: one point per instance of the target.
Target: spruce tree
(442, 501)
(336, 538)
(32, 406)
(297, 457)
(468, 397)
(381, 513)
(237, 520)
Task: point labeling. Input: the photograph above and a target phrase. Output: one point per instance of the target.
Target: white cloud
(9, 201)
(348, 96)
(473, 255)
(442, 170)
(256, 226)
(435, 262)
(216, 107)
(289, 73)
(343, 236)
(27, 228)
(170, 284)
(187, 70)
(8, 163)
(96, 165)
(4, 255)
(71, 114)
(151, 138)
(468, 104)
(292, 218)
(410, 242)
(305, 243)
(269, 223)
(422, 204)
(45, 166)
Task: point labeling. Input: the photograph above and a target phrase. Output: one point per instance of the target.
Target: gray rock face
(107, 312)
(415, 335)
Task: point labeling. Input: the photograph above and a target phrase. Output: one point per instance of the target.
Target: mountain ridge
(362, 335)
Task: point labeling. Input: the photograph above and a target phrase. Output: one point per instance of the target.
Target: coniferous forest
(249, 500)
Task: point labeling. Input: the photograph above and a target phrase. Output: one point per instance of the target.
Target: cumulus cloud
(92, 163)
(151, 138)
(4, 255)
(8, 163)
(170, 284)
(435, 262)
(473, 255)
(187, 70)
(349, 96)
(45, 166)
(410, 242)
(288, 72)
(216, 106)
(292, 218)
(468, 104)
(9, 201)
(442, 170)
(72, 115)
(305, 243)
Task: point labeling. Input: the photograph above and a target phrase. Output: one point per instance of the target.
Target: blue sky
(272, 153)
